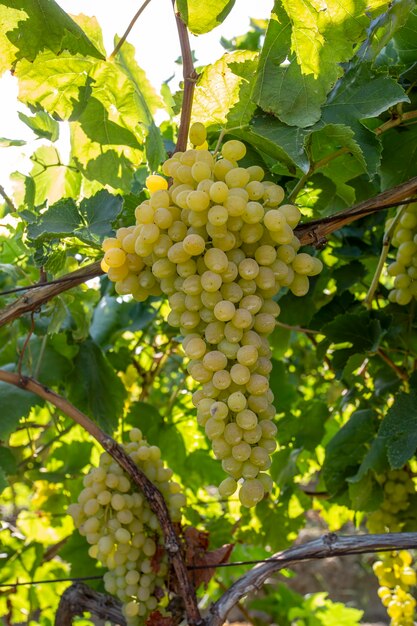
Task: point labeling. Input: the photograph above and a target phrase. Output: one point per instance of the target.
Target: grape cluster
(123, 533)
(396, 576)
(404, 268)
(220, 245)
(393, 569)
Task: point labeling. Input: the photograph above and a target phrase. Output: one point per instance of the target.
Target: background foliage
(324, 96)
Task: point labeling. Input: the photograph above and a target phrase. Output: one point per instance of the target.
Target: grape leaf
(58, 84)
(394, 170)
(90, 222)
(8, 465)
(285, 144)
(360, 95)
(24, 24)
(95, 387)
(42, 124)
(98, 213)
(15, 404)
(6, 143)
(222, 94)
(363, 331)
(399, 429)
(52, 179)
(146, 103)
(304, 47)
(203, 17)
(106, 139)
(346, 449)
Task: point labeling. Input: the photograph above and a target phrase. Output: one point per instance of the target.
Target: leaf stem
(128, 29)
(298, 329)
(152, 494)
(313, 168)
(400, 372)
(7, 199)
(190, 78)
(398, 119)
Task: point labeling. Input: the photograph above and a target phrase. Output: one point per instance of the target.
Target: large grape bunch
(394, 569)
(123, 533)
(220, 244)
(404, 268)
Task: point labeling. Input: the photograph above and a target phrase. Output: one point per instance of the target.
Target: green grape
(233, 150)
(197, 134)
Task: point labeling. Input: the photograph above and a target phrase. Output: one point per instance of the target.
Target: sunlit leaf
(223, 92)
(203, 17)
(24, 25)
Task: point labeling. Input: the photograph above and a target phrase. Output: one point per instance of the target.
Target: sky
(156, 41)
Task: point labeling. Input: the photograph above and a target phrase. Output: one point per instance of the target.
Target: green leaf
(346, 449)
(106, 139)
(98, 213)
(361, 331)
(53, 180)
(8, 465)
(6, 143)
(95, 387)
(360, 95)
(394, 170)
(24, 25)
(399, 429)
(60, 220)
(42, 124)
(91, 222)
(332, 140)
(203, 17)
(300, 61)
(283, 143)
(223, 92)
(59, 85)
(365, 494)
(15, 404)
(146, 101)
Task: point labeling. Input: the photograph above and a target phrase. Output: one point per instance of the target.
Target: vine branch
(152, 494)
(79, 599)
(327, 546)
(128, 29)
(190, 78)
(40, 294)
(316, 231)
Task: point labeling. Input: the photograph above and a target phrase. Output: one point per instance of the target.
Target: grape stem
(386, 242)
(312, 233)
(152, 494)
(190, 78)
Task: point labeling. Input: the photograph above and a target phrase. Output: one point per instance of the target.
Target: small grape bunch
(123, 532)
(404, 268)
(396, 576)
(394, 569)
(220, 244)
